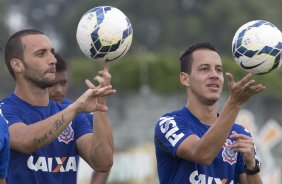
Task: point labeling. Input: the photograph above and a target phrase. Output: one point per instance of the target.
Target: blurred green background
(146, 78)
(163, 29)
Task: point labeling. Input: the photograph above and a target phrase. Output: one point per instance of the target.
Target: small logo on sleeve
(67, 135)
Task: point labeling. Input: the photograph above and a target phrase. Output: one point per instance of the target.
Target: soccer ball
(256, 47)
(104, 33)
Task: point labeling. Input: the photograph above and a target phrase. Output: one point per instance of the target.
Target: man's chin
(212, 100)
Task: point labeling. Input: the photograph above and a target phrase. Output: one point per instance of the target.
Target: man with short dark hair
(45, 136)
(196, 144)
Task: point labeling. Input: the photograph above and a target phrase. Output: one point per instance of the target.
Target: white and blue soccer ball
(256, 47)
(104, 33)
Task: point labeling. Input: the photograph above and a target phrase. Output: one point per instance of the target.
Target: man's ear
(184, 79)
(17, 65)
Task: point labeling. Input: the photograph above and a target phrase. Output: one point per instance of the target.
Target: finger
(233, 134)
(100, 80)
(246, 79)
(101, 72)
(243, 143)
(239, 136)
(104, 91)
(250, 83)
(252, 90)
(105, 74)
(230, 79)
(247, 152)
(107, 66)
(243, 147)
(89, 84)
(258, 88)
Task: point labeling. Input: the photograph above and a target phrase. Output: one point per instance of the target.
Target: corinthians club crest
(228, 154)
(67, 135)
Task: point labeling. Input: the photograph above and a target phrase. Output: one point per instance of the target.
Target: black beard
(43, 84)
(36, 77)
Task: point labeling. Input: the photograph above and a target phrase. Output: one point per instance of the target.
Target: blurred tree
(158, 25)
(164, 28)
(3, 37)
(4, 28)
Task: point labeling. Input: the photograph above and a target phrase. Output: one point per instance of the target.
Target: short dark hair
(186, 58)
(14, 47)
(61, 65)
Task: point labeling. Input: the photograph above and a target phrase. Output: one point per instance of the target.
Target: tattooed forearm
(56, 126)
(38, 141)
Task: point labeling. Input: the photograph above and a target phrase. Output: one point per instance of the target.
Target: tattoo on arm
(56, 126)
(38, 141)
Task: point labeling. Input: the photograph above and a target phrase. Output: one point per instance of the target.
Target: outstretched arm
(98, 149)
